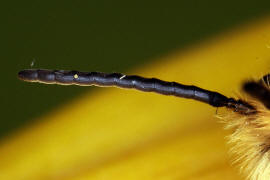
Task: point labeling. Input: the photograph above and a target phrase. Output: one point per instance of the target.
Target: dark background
(98, 35)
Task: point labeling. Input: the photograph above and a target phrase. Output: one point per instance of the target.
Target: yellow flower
(119, 134)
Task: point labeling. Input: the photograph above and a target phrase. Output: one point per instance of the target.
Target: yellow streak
(118, 134)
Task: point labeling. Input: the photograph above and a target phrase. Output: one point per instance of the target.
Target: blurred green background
(98, 35)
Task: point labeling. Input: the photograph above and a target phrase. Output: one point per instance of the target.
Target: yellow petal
(119, 134)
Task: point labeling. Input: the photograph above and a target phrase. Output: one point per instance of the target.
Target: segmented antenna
(64, 77)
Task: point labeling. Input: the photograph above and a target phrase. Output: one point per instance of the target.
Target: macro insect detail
(248, 119)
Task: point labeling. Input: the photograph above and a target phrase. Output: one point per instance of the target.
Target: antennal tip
(28, 75)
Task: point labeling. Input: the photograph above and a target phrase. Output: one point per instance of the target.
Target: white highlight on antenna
(122, 77)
